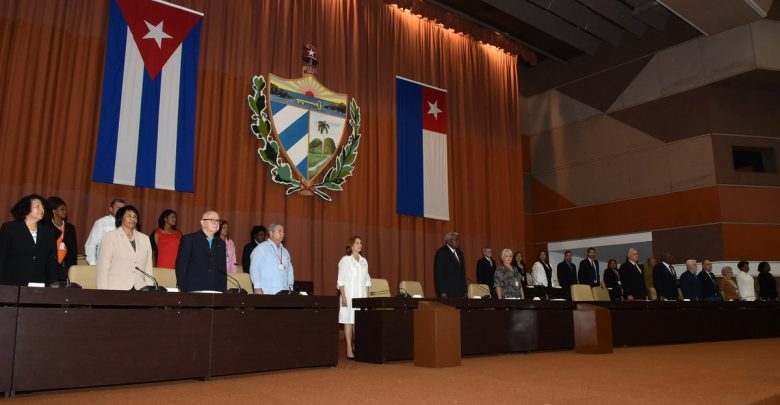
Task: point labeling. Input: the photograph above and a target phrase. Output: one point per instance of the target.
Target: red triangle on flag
(158, 28)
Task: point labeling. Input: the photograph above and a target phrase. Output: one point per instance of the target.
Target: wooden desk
(9, 296)
(79, 338)
(385, 327)
(266, 332)
(637, 323)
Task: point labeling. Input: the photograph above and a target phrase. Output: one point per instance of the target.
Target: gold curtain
(51, 68)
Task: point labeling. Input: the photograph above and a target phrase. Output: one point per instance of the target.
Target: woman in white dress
(353, 282)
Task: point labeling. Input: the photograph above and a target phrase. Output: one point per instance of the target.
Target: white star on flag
(434, 108)
(156, 33)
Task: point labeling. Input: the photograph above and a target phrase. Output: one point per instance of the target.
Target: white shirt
(353, 276)
(102, 225)
(746, 286)
(539, 275)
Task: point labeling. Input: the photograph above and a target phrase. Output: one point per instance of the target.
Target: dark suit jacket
(633, 281)
(246, 255)
(587, 274)
(449, 273)
(767, 286)
(198, 267)
(70, 243)
(612, 282)
(486, 272)
(689, 284)
(567, 275)
(665, 282)
(22, 260)
(708, 284)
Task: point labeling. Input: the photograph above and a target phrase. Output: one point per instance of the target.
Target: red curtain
(51, 67)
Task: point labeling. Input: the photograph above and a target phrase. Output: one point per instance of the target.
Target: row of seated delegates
(27, 249)
(165, 240)
(256, 237)
(353, 282)
(125, 254)
(271, 268)
(101, 227)
(230, 247)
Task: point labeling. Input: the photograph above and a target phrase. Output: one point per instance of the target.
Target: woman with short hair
(507, 280)
(27, 250)
(727, 284)
(123, 252)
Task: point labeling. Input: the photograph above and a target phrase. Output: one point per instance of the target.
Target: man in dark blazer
(665, 278)
(634, 287)
(449, 269)
(707, 283)
(486, 270)
(689, 283)
(201, 261)
(567, 272)
(589, 269)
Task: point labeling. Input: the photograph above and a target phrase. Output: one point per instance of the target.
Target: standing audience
(166, 239)
(101, 226)
(66, 245)
(542, 271)
(255, 238)
(123, 252)
(508, 282)
(612, 280)
(449, 268)
(745, 283)
(200, 262)
(272, 269)
(727, 284)
(767, 285)
(631, 277)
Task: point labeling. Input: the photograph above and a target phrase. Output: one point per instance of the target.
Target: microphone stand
(238, 290)
(155, 287)
(536, 284)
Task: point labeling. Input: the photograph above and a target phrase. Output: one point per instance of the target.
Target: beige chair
(81, 260)
(83, 275)
(652, 294)
(581, 292)
(165, 277)
(600, 294)
(411, 288)
(379, 288)
(244, 279)
(478, 290)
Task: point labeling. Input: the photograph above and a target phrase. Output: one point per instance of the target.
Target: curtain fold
(51, 64)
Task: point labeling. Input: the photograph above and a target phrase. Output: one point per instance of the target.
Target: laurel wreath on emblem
(281, 172)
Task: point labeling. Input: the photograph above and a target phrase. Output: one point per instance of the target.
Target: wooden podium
(436, 335)
(592, 329)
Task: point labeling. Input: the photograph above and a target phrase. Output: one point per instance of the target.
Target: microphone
(538, 286)
(487, 291)
(155, 287)
(64, 284)
(289, 291)
(238, 290)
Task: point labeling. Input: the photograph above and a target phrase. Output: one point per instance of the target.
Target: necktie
(456, 256)
(671, 270)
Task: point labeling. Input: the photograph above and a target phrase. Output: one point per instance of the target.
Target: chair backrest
(81, 260)
(581, 292)
(680, 294)
(478, 290)
(244, 279)
(379, 288)
(652, 294)
(600, 294)
(83, 275)
(165, 277)
(411, 288)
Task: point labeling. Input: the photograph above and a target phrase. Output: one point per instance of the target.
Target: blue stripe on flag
(188, 90)
(113, 72)
(277, 106)
(146, 156)
(408, 98)
(303, 167)
(295, 132)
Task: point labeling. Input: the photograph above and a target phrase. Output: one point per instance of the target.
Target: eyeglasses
(213, 221)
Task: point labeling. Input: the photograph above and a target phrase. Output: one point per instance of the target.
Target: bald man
(201, 261)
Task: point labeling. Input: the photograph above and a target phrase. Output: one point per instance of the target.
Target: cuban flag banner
(147, 117)
(421, 125)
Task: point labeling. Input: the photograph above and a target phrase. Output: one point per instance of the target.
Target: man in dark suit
(486, 270)
(201, 261)
(708, 284)
(665, 278)
(634, 287)
(567, 272)
(589, 270)
(449, 269)
(689, 283)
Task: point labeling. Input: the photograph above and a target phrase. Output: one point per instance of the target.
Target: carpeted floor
(735, 372)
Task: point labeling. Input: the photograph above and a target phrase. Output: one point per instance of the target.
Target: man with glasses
(201, 261)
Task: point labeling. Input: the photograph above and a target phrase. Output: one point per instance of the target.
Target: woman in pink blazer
(122, 252)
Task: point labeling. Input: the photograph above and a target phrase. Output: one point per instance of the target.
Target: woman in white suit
(121, 251)
(353, 282)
